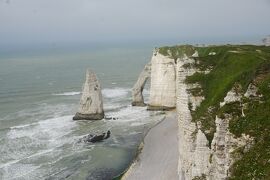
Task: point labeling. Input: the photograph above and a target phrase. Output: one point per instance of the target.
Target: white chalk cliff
(137, 96)
(198, 158)
(162, 89)
(91, 103)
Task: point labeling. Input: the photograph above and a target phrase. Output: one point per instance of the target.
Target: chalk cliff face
(91, 103)
(199, 158)
(137, 97)
(163, 76)
(215, 90)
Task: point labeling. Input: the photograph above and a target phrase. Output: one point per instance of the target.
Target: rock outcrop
(232, 96)
(91, 103)
(163, 76)
(137, 96)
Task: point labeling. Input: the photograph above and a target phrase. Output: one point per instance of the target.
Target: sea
(39, 95)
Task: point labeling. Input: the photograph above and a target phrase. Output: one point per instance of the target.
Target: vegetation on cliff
(255, 163)
(234, 66)
(176, 51)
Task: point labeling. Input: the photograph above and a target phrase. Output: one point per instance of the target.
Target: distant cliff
(222, 97)
(266, 41)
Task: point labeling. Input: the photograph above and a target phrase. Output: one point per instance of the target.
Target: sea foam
(115, 92)
(67, 93)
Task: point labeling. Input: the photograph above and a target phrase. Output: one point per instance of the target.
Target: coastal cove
(40, 94)
(134, 90)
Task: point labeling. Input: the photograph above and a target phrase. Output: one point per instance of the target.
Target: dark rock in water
(159, 108)
(97, 116)
(96, 138)
(110, 118)
(138, 104)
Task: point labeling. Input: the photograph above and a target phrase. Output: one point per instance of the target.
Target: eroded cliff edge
(223, 105)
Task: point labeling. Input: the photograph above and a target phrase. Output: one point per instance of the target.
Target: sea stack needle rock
(137, 97)
(91, 104)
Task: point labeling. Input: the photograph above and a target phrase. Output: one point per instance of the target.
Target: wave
(115, 92)
(53, 128)
(68, 93)
(27, 157)
(23, 126)
(129, 113)
(36, 139)
(107, 92)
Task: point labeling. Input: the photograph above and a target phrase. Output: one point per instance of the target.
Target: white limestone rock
(163, 76)
(186, 126)
(91, 103)
(137, 97)
(219, 147)
(252, 91)
(212, 53)
(223, 145)
(194, 100)
(196, 54)
(232, 96)
(201, 155)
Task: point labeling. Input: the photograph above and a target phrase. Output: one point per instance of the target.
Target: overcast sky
(91, 21)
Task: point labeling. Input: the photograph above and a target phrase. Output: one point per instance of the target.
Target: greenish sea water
(39, 94)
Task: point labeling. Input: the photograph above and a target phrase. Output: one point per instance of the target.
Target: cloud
(127, 20)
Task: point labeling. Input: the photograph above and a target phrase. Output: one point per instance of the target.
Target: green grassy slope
(234, 65)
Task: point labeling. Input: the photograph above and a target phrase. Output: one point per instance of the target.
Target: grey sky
(60, 21)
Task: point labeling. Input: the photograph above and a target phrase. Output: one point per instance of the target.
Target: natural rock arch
(137, 96)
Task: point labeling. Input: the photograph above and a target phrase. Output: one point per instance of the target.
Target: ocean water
(39, 94)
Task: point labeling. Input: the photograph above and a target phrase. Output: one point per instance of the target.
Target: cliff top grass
(233, 65)
(177, 51)
(230, 65)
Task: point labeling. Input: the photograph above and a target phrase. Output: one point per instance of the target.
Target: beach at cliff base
(157, 159)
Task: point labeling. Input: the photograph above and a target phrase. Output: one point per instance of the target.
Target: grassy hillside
(234, 66)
